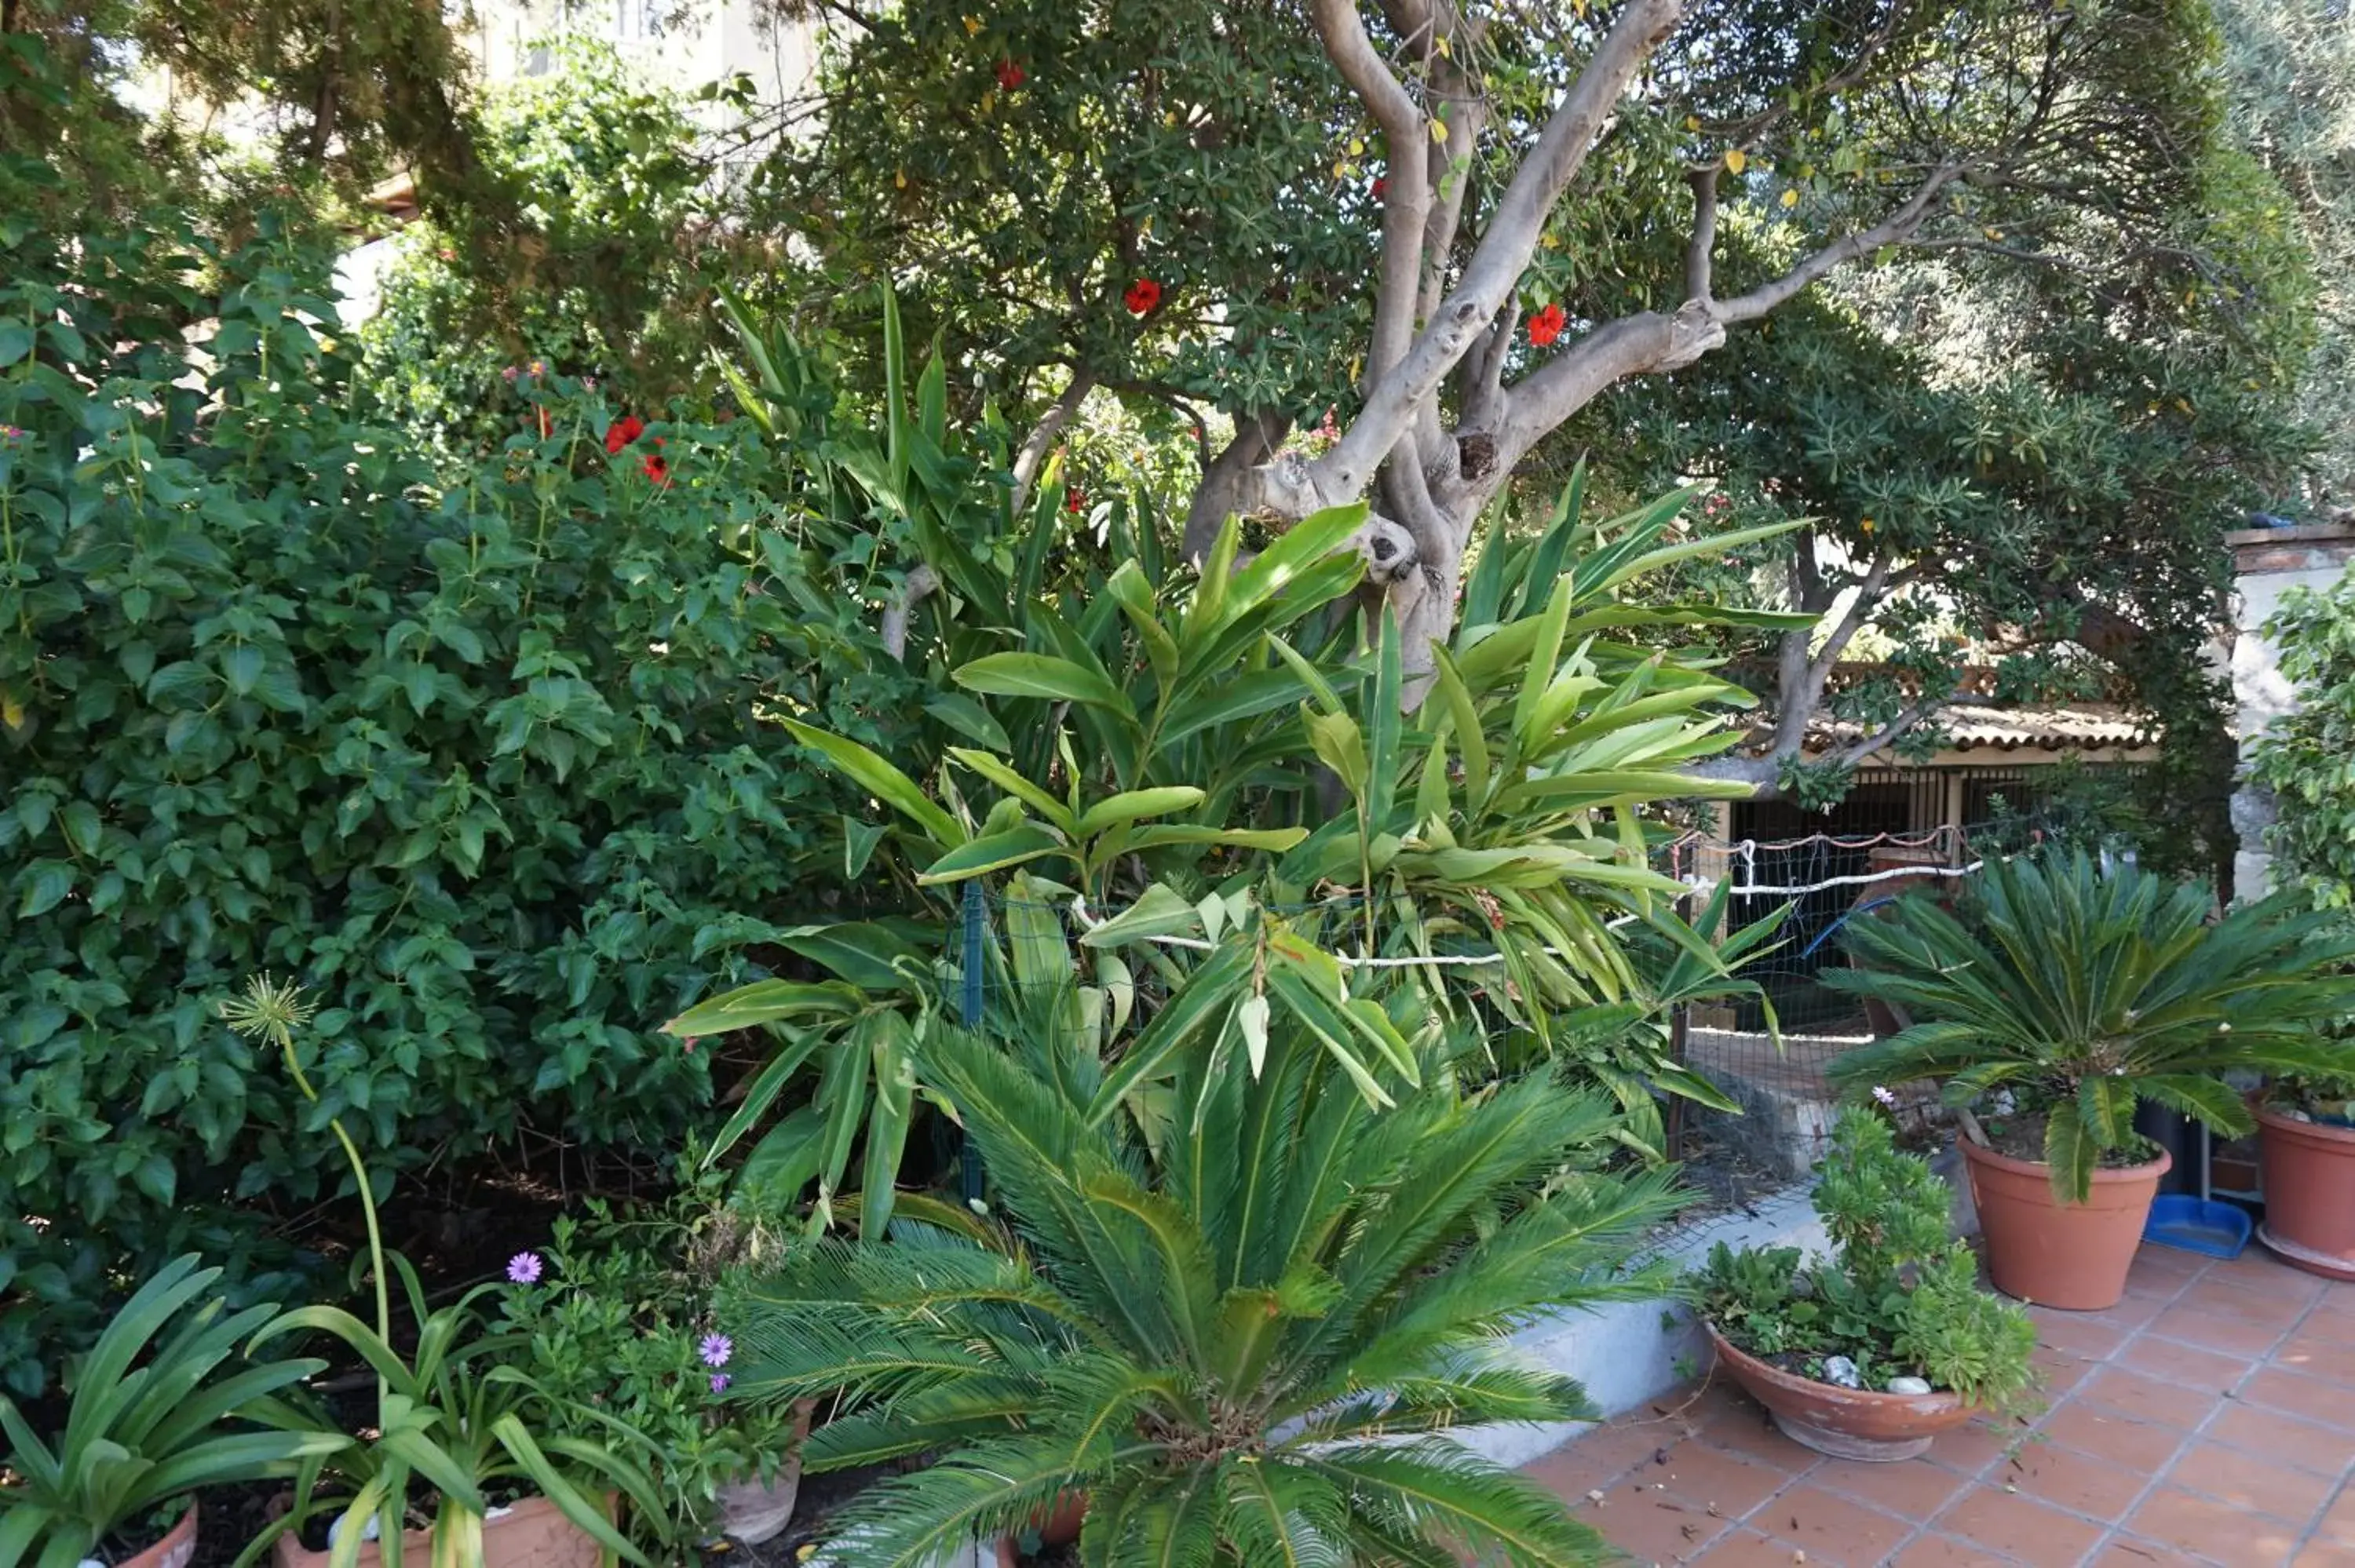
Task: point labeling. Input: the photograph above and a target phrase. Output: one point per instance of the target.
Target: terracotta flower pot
(175, 1551)
(2038, 1249)
(1058, 1529)
(1846, 1423)
(534, 1533)
(2310, 1179)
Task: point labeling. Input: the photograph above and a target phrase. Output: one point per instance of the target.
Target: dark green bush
(482, 765)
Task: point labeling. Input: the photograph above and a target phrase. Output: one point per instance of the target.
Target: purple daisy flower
(523, 1268)
(719, 1381)
(716, 1349)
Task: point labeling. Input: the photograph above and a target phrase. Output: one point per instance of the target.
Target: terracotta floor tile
(2240, 1298)
(2157, 1275)
(2067, 1331)
(1948, 1551)
(2332, 1319)
(2311, 1397)
(2010, 1521)
(2317, 1355)
(2078, 1482)
(1914, 1490)
(1653, 1528)
(2248, 1482)
(2324, 1554)
(2259, 1270)
(2185, 1366)
(2144, 1446)
(1598, 1457)
(2213, 1529)
(2059, 1370)
(1972, 1448)
(2111, 1434)
(1830, 1528)
(1712, 1478)
(2283, 1439)
(2123, 1552)
(2148, 1398)
(1753, 1436)
(2132, 1312)
(1745, 1549)
(2215, 1332)
(2338, 1527)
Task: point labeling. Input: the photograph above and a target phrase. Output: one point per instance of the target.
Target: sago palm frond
(2087, 991)
(1244, 1353)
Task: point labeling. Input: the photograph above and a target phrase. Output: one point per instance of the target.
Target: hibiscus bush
(481, 762)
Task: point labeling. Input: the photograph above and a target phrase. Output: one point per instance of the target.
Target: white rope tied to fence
(1354, 960)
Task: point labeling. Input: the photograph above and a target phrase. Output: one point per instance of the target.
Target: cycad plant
(1249, 1347)
(2084, 991)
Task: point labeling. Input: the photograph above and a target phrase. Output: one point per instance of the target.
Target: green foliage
(150, 1436)
(459, 1416)
(610, 1333)
(2306, 756)
(1511, 818)
(1898, 1296)
(615, 284)
(2083, 992)
(484, 762)
(1244, 1348)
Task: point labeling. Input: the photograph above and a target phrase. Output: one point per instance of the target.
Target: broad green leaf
(883, 780)
(1041, 675)
(994, 853)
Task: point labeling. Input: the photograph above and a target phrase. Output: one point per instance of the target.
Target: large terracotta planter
(2041, 1250)
(178, 1548)
(1846, 1423)
(1060, 1528)
(2309, 1180)
(534, 1533)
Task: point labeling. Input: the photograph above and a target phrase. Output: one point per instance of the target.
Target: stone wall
(2268, 563)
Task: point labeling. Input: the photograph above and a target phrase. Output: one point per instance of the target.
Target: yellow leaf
(1356, 147)
(1790, 198)
(1145, 226)
(1439, 131)
(1444, 52)
(1170, 117)
(900, 178)
(988, 99)
(1995, 234)
(12, 712)
(1692, 121)
(1736, 160)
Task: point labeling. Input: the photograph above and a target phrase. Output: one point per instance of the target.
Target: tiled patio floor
(2208, 1418)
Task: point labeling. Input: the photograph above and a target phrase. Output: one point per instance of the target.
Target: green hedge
(481, 762)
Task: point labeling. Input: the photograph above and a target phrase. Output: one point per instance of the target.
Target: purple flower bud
(719, 1382)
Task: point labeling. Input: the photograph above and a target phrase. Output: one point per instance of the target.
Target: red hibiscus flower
(1075, 500)
(1141, 296)
(1009, 75)
(655, 467)
(1382, 186)
(1546, 325)
(623, 431)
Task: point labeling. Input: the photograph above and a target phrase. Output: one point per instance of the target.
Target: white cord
(1354, 960)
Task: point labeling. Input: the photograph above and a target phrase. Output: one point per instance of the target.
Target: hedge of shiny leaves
(479, 763)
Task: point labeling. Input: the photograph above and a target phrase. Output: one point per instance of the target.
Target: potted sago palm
(2053, 1000)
